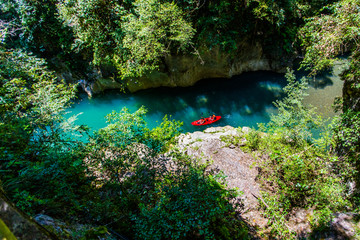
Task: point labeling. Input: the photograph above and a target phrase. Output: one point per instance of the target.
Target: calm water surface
(244, 100)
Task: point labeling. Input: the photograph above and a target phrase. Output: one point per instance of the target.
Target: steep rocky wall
(183, 71)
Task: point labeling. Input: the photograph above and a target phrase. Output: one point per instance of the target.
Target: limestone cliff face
(183, 71)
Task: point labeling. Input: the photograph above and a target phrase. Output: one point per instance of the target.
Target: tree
(324, 38)
(97, 26)
(133, 35)
(295, 120)
(39, 29)
(298, 170)
(163, 197)
(327, 36)
(152, 31)
(191, 202)
(36, 151)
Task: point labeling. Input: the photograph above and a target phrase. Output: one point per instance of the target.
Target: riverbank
(243, 171)
(243, 100)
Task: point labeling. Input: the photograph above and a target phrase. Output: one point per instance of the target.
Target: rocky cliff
(242, 170)
(239, 167)
(186, 70)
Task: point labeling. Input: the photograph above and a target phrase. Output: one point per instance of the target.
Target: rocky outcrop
(180, 70)
(239, 167)
(16, 225)
(242, 171)
(73, 230)
(346, 224)
(186, 70)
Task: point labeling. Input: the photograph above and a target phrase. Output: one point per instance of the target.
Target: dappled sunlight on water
(243, 100)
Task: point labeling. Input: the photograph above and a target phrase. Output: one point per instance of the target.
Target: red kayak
(205, 121)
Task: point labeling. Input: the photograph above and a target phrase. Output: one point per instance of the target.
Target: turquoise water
(244, 100)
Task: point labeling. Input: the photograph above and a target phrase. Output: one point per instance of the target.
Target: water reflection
(321, 81)
(243, 100)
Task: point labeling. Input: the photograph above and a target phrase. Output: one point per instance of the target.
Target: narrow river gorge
(243, 100)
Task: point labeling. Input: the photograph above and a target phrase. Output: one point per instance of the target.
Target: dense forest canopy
(135, 36)
(118, 180)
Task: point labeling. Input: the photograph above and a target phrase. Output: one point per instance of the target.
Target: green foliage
(152, 31)
(298, 171)
(126, 151)
(134, 35)
(30, 95)
(249, 143)
(324, 38)
(294, 120)
(169, 197)
(166, 131)
(300, 178)
(281, 13)
(348, 133)
(221, 24)
(36, 26)
(352, 82)
(43, 169)
(125, 128)
(118, 177)
(270, 11)
(226, 23)
(329, 35)
(190, 203)
(55, 182)
(283, 19)
(253, 139)
(96, 24)
(40, 165)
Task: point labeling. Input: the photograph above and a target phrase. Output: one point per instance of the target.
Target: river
(243, 100)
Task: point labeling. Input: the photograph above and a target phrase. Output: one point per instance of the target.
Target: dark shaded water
(244, 100)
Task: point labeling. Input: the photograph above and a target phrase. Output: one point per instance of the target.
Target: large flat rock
(239, 167)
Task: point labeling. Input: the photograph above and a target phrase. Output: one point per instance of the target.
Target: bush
(294, 121)
(299, 170)
(190, 203)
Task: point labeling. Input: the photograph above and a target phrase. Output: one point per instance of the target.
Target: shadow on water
(321, 81)
(243, 100)
(246, 98)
